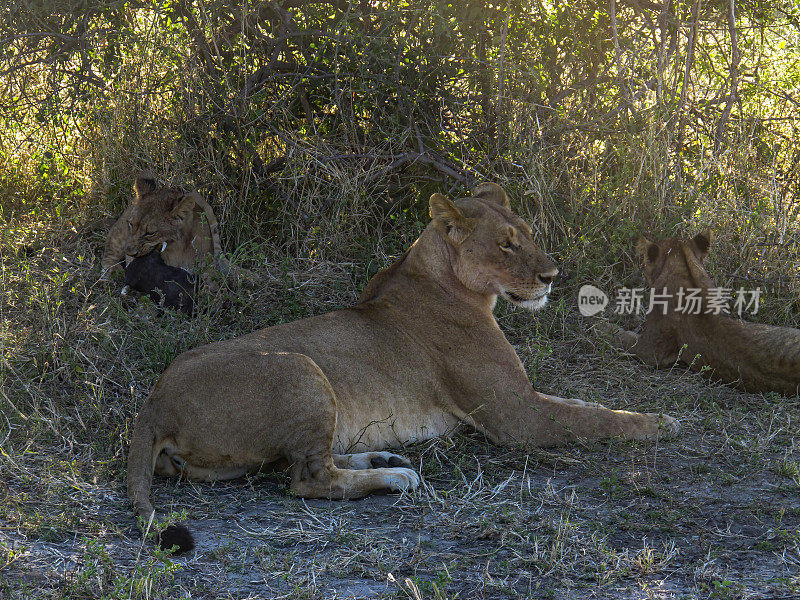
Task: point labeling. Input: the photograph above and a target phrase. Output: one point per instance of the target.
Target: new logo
(591, 300)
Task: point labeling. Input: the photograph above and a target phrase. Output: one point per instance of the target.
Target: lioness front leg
(542, 421)
(570, 401)
(514, 412)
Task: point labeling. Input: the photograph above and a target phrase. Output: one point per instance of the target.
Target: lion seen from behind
(753, 356)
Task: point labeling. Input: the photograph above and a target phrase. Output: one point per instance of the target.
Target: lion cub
(756, 357)
(167, 286)
(182, 220)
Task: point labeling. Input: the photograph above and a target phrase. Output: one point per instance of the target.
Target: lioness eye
(507, 246)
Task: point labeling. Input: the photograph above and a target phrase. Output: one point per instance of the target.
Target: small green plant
(612, 484)
(789, 469)
(725, 589)
(99, 577)
(8, 555)
(417, 588)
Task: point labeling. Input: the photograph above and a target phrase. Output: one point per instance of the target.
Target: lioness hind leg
(319, 477)
(308, 447)
(370, 460)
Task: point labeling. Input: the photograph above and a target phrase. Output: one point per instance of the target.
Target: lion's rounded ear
(493, 193)
(702, 243)
(144, 184)
(448, 219)
(648, 250)
(440, 208)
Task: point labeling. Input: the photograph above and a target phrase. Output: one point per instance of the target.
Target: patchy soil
(712, 513)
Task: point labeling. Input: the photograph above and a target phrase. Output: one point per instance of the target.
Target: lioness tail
(141, 462)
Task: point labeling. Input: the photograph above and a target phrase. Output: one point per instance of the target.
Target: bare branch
(733, 87)
(687, 74)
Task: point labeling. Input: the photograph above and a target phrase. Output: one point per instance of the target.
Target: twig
(733, 92)
(687, 75)
(612, 10)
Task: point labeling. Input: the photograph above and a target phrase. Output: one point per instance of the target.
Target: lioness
(420, 352)
(163, 215)
(757, 357)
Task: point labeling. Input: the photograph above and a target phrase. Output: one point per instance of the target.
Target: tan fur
(420, 353)
(756, 357)
(160, 215)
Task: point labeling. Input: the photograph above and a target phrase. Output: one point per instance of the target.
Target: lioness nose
(547, 277)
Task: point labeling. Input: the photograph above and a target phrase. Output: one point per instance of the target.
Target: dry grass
(713, 513)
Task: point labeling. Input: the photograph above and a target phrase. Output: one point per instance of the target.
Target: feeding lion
(420, 352)
(183, 221)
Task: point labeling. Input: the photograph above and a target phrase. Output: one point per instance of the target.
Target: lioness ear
(702, 243)
(182, 207)
(144, 184)
(493, 193)
(648, 250)
(448, 219)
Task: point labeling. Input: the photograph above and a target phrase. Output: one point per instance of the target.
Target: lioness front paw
(667, 426)
(607, 328)
(626, 340)
(619, 337)
(397, 479)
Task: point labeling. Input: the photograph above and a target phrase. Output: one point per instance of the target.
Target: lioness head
(676, 262)
(157, 215)
(492, 248)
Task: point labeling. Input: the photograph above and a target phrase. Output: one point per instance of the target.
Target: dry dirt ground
(713, 513)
